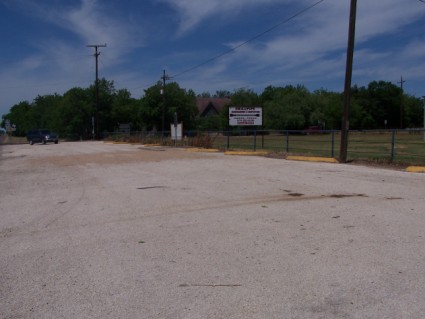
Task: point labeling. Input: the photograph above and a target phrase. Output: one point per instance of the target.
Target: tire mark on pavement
(181, 209)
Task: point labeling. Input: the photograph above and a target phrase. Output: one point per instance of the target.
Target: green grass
(409, 148)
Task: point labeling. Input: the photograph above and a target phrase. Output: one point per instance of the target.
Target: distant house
(211, 106)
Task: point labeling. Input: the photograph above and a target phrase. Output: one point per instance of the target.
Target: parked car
(313, 130)
(42, 136)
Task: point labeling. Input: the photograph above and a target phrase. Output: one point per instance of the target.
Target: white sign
(245, 115)
(176, 132)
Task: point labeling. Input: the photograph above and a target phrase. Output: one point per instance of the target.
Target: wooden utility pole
(164, 78)
(401, 101)
(96, 55)
(347, 87)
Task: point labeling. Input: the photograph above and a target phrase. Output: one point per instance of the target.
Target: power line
(299, 13)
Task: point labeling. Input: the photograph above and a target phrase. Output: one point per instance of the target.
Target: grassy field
(404, 147)
(407, 147)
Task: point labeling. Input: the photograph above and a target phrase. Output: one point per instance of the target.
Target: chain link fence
(393, 146)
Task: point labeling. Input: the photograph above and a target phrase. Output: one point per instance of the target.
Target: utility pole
(347, 87)
(401, 101)
(96, 55)
(164, 78)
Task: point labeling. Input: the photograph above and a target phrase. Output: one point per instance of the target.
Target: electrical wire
(299, 13)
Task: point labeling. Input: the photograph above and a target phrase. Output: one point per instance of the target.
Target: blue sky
(44, 44)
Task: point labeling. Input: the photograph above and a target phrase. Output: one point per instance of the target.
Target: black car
(42, 136)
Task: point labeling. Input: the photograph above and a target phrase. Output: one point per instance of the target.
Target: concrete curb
(118, 143)
(312, 159)
(207, 150)
(410, 169)
(415, 169)
(251, 153)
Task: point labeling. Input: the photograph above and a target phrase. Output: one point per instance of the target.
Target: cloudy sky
(206, 45)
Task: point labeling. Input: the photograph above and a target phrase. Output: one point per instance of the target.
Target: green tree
(204, 94)
(77, 114)
(103, 119)
(287, 108)
(151, 108)
(157, 108)
(182, 102)
(381, 101)
(245, 97)
(125, 109)
(327, 109)
(21, 115)
(209, 123)
(413, 112)
(222, 93)
(290, 107)
(46, 112)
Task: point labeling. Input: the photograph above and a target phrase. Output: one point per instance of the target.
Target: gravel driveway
(94, 230)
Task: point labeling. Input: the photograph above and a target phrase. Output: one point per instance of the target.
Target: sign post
(175, 127)
(246, 116)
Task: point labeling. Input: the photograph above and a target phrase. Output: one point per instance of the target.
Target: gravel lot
(94, 230)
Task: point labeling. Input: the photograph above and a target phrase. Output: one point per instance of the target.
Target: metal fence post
(255, 140)
(333, 144)
(392, 145)
(287, 142)
(262, 140)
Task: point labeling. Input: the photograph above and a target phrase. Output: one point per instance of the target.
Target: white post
(423, 100)
(424, 120)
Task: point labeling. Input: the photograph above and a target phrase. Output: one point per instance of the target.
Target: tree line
(77, 115)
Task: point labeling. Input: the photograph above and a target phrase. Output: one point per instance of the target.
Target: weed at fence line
(376, 146)
(199, 140)
(202, 140)
(123, 138)
(135, 139)
(7, 139)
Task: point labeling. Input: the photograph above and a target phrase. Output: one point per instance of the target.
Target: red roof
(203, 103)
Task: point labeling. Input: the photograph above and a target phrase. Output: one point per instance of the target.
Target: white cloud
(90, 21)
(318, 48)
(95, 24)
(193, 12)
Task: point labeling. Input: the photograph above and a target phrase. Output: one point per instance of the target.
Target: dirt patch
(122, 157)
(360, 162)
(380, 164)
